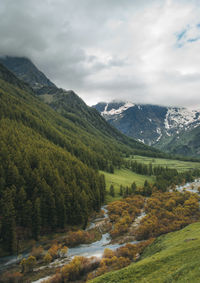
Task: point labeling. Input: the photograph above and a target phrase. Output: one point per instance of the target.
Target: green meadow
(177, 164)
(125, 178)
(173, 257)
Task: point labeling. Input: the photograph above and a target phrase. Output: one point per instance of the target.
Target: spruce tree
(112, 191)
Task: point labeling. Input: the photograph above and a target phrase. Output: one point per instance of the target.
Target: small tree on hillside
(112, 191)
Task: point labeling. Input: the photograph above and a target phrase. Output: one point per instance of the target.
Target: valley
(99, 141)
(78, 198)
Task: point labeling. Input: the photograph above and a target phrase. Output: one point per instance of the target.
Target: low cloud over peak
(141, 51)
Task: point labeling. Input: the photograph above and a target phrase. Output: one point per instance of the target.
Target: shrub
(37, 252)
(47, 258)
(28, 264)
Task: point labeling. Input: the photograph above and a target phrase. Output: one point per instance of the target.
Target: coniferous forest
(43, 185)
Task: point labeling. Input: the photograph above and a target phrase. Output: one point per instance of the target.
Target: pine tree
(121, 190)
(133, 188)
(112, 191)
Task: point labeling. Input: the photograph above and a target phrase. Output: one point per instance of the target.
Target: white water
(42, 279)
(190, 187)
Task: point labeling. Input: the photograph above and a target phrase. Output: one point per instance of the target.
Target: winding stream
(94, 249)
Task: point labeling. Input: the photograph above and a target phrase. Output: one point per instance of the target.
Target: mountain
(155, 125)
(49, 160)
(48, 176)
(72, 107)
(186, 142)
(25, 70)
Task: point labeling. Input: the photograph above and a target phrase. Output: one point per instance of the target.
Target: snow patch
(158, 130)
(117, 111)
(178, 118)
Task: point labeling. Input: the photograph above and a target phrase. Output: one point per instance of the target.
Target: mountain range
(175, 130)
(171, 129)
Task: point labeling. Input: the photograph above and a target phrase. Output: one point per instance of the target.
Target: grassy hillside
(173, 257)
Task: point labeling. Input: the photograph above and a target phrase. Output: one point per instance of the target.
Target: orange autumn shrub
(168, 212)
(54, 250)
(79, 237)
(122, 213)
(78, 267)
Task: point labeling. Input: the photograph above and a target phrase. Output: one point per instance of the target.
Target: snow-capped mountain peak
(151, 124)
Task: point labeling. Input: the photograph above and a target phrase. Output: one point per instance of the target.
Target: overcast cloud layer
(141, 51)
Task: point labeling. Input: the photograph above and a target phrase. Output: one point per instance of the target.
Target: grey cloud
(108, 50)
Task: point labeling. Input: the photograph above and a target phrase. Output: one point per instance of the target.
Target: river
(94, 249)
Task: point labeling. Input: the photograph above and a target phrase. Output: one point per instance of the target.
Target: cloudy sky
(135, 50)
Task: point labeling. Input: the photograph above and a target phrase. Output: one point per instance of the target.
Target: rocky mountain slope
(155, 125)
(25, 70)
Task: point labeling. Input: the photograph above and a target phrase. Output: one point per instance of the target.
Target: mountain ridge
(152, 124)
(25, 70)
(68, 104)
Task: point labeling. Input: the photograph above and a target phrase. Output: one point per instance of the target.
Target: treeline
(147, 169)
(165, 176)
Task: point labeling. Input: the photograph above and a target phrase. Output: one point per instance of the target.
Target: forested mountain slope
(72, 107)
(44, 185)
(49, 164)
